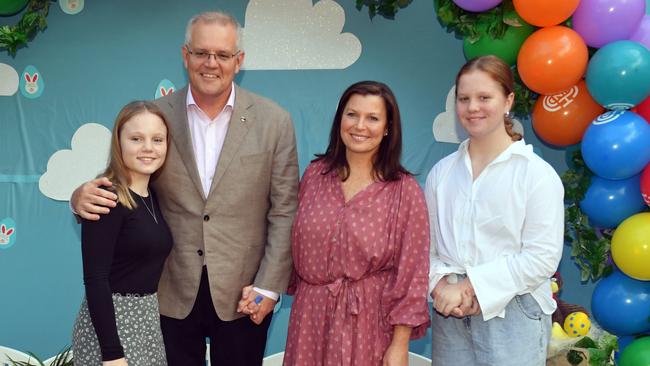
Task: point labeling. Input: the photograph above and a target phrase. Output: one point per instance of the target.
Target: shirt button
(199, 252)
(206, 218)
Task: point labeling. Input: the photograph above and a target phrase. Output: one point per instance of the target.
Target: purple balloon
(603, 21)
(642, 34)
(477, 5)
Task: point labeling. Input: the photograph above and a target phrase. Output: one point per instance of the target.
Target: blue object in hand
(258, 299)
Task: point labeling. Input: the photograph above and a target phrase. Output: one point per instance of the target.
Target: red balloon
(645, 184)
(552, 60)
(643, 109)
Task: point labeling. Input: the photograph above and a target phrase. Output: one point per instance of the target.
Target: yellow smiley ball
(577, 324)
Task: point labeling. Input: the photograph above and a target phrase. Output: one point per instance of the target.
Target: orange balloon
(545, 13)
(552, 60)
(561, 119)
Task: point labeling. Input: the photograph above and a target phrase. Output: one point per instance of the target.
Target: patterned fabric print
(138, 326)
(360, 268)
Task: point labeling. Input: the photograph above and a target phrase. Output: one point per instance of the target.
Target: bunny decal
(5, 234)
(31, 83)
(165, 87)
(71, 7)
(164, 92)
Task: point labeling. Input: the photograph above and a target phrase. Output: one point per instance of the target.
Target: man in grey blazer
(228, 191)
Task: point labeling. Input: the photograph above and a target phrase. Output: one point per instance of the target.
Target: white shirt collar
(516, 148)
(229, 103)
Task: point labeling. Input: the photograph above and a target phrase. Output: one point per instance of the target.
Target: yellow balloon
(631, 246)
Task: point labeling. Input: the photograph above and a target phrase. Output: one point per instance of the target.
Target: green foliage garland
(589, 248)
(32, 21)
(471, 25)
(385, 8)
(494, 23)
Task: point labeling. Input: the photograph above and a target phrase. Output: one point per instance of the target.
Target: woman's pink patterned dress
(360, 268)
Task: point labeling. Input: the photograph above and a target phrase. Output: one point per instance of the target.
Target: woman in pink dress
(360, 243)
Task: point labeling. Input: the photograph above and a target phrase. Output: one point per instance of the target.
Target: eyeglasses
(202, 55)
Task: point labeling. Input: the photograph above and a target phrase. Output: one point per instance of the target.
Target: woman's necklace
(152, 212)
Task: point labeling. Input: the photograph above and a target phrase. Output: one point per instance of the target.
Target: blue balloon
(608, 202)
(621, 305)
(618, 75)
(623, 341)
(617, 145)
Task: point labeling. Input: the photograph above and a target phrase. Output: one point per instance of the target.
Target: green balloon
(11, 7)
(636, 353)
(506, 48)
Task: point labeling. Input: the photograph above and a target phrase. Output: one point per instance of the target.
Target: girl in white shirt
(497, 222)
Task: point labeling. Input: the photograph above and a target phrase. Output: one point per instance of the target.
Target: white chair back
(414, 360)
(6, 353)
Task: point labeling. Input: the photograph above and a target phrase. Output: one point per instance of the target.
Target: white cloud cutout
(294, 35)
(447, 128)
(67, 169)
(8, 80)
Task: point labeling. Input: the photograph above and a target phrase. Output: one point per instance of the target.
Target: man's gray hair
(211, 17)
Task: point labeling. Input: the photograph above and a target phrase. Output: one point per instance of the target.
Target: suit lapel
(240, 122)
(180, 130)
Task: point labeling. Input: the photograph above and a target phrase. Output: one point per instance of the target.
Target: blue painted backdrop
(115, 51)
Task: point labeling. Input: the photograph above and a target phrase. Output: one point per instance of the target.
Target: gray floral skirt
(138, 326)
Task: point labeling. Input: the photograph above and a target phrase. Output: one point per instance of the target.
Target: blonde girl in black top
(124, 252)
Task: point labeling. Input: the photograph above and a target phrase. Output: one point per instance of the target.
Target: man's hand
(256, 305)
(89, 201)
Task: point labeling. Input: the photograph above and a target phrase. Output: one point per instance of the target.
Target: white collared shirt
(505, 229)
(208, 136)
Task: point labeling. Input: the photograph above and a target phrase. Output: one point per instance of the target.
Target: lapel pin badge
(242, 119)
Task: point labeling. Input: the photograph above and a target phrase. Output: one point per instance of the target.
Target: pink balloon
(477, 5)
(642, 33)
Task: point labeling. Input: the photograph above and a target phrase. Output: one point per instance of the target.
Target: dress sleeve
(405, 297)
(497, 282)
(98, 241)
